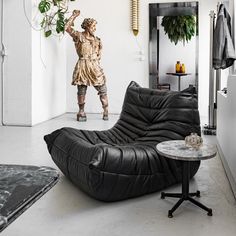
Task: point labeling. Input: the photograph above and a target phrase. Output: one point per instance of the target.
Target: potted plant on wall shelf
(179, 28)
(53, 12)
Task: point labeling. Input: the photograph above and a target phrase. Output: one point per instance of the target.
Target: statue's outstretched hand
(76, 12)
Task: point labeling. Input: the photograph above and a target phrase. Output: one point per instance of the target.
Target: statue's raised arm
(68, 27)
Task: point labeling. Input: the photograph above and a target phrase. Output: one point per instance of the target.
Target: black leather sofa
(122, 162)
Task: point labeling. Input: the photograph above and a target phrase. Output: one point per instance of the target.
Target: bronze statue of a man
(87, 70)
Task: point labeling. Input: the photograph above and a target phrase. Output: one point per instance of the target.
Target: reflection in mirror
(164, 54)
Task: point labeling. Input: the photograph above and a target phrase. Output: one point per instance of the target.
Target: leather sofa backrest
(150, 115)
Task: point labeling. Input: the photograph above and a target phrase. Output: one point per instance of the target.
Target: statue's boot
(104, 101)
(81, 116)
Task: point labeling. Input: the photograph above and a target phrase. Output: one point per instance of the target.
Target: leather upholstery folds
(122, 162)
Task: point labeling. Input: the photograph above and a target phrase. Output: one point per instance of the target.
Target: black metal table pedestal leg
(175, 207)
(185, 179)
(179, 81)
(209, 210)
(175, 195)
(185, 195)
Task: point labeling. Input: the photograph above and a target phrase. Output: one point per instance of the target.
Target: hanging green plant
(53, 12)
(179, 28)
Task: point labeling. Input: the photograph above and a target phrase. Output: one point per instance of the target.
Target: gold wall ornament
(135, 16)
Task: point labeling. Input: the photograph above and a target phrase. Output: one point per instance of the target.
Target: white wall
(27, 91)
(17, 65)
(226, 118)
(226, 129)
(170, 53)
(1, 63)
(48, 77)
(120, 54)
(48, 72)
(33, 92)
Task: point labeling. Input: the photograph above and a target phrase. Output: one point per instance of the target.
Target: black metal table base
(185, 195)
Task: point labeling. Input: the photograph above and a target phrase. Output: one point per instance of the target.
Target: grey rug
(20, 187)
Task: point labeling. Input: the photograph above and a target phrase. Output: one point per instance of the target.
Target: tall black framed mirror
(164, 54)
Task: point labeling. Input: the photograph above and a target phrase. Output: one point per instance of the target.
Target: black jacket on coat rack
(223, 48)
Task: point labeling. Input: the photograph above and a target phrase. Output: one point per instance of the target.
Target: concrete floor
(66, 211)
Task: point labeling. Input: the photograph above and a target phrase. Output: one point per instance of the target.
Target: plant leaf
(60, 24)
(44, 6)
(60, 15)
(47, 33)
(42, 24)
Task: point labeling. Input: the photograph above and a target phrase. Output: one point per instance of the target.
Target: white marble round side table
(176, 149)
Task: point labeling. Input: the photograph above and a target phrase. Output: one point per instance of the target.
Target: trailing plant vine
(179, 28)
(53, 12)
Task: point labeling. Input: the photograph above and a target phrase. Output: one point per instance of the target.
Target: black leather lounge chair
(122, 162)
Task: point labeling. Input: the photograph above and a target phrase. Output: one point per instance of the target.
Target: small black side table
(176, 149)
(179, 75)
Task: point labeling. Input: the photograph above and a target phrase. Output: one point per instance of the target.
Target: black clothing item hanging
(223, 48)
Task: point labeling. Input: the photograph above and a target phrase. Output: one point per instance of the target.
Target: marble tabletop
(20, 187)
(176, 149)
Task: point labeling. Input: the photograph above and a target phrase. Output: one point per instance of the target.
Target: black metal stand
(208, 130)
(185, 195)
(179, 81)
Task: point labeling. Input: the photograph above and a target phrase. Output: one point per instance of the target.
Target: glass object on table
(194, 141)
(182, 68)
(178, 67)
